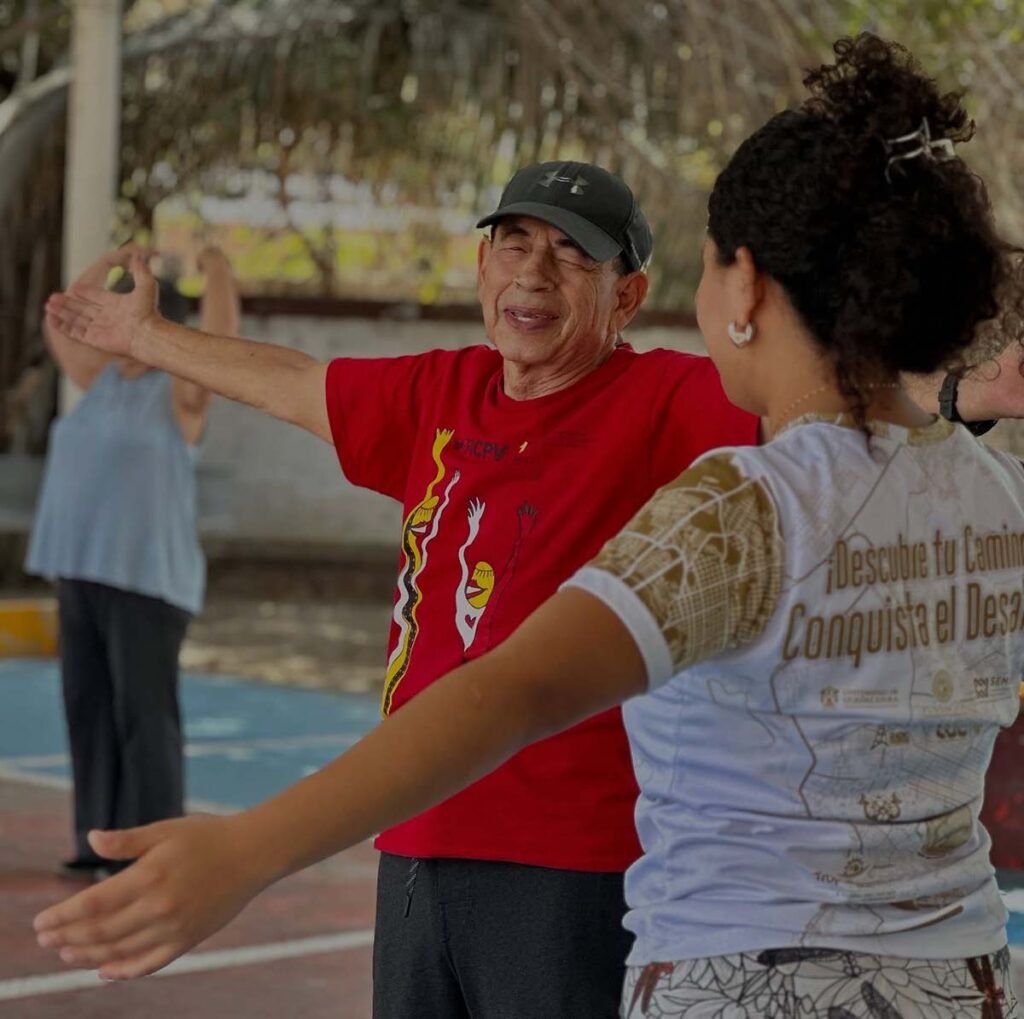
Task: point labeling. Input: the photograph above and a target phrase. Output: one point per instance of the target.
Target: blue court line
(244, 741)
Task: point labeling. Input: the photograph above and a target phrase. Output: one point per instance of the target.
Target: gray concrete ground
(321, 625)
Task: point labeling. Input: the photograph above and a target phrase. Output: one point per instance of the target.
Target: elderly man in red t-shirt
(514, 463)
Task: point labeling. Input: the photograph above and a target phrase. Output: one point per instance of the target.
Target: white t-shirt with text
(833, 630)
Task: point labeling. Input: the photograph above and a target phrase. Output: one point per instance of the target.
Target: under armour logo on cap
(578, 183)
(593, 208)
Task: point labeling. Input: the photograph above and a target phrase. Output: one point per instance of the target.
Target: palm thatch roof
(436, 103)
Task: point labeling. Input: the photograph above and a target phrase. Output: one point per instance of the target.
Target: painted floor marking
(195, 962)
(62, 783)
(340, 740)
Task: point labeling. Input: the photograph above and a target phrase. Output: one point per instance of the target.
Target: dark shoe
(108, 868)
(79, 870)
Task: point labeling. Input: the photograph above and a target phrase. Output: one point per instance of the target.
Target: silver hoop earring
(741, 337)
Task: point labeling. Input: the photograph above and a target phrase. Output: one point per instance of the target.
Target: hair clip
(919, 143)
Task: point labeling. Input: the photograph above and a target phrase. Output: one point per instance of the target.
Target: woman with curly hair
(817, 640)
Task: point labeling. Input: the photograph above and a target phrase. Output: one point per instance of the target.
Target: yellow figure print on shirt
(419, 529)
(485, 586)
(474, 591)
(480, 586)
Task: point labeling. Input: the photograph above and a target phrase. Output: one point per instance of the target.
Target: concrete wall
(277, 490)
(267, 482)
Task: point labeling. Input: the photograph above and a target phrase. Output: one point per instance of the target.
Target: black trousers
(119, 670)
(472, 939)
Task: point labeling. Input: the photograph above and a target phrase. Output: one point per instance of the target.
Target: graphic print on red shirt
(503, 500)
(419, 527)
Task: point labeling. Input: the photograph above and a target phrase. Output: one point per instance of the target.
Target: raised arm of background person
(79, 362)
(993, 389)
(219, 315)
(570, 659)
(284, 383)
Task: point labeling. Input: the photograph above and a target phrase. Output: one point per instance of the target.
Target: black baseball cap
(589, 205)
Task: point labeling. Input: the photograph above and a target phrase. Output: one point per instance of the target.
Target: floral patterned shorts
(819, 983)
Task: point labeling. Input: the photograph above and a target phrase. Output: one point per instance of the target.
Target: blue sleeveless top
(118, 499)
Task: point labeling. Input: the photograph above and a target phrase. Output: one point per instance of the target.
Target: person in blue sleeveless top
(115, 528)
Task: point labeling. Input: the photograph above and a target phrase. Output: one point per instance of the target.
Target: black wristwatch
(947, 407)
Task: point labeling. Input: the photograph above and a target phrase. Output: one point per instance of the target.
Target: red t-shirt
(504, 500)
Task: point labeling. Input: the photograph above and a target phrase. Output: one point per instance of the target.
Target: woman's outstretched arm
(569, 660)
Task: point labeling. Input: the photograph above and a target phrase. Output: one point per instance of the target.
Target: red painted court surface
(302, 949)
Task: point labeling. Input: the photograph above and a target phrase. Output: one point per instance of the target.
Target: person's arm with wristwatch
(949, 393)
(979, 397)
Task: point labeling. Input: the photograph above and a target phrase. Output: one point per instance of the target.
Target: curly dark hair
(892, 266)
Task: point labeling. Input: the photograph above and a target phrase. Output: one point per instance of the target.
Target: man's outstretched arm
(284, 383)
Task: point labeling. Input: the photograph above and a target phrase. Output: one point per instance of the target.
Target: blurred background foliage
(345, 147)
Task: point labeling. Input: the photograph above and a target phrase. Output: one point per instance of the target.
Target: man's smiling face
(545, 301)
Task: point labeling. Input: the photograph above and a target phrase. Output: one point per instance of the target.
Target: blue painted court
(244, 740)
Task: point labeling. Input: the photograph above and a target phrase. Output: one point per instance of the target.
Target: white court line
(203, 748)
(63, 784)
(204, 962)
(196, 962)
(36, 761)
(14, 768)
(341, 740)
(9, 773)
